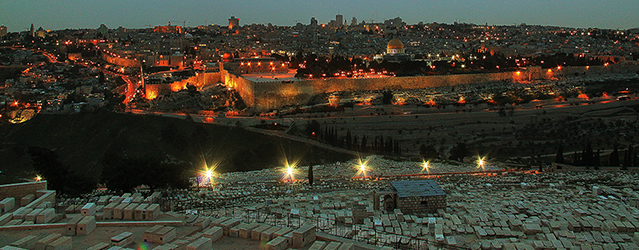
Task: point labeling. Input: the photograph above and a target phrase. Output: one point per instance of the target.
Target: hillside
(81, 141)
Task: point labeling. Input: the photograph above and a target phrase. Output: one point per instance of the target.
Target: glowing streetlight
(207, 175)
(38, 178)
(362, 168)
(289, 173)
(426, 165)
(481, 162)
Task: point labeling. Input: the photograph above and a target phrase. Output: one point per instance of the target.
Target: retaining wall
(19, 190)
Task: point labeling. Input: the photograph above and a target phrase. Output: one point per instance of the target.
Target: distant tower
(3, 31)
(313, 22)
(32, 31)
(354, 21)
(234, 23)
(339, 19)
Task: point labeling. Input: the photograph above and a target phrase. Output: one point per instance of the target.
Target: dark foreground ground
(82, 140)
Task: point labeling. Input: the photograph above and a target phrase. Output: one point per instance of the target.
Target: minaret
(32, 31)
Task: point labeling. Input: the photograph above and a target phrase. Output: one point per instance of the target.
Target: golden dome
(395, 44)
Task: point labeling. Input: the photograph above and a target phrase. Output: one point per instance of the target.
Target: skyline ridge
(65, 14)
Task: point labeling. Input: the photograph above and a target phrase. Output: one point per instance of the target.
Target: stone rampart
(263, 96)
(120, 61)
(152, 91)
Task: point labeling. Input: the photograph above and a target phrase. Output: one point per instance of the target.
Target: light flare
(426, 166)
(362, 168)
(207, 174)
(289, 173)
(481, 161)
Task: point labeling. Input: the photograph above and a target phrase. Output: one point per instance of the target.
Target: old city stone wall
(263, 96)
(244, 87)
(154, 90)
(270, 95)
(120, 61)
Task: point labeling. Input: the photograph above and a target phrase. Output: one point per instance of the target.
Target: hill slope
(81, 141)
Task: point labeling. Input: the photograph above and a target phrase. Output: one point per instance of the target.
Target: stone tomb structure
(411, 197)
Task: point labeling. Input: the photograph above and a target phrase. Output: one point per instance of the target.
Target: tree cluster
(59, 177)
(123, 173)
(329, 135)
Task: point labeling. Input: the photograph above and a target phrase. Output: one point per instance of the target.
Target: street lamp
(289, 173)
(426, 165)
(481, 162)
(362, 168)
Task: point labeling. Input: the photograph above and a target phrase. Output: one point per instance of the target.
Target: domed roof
(395, 44)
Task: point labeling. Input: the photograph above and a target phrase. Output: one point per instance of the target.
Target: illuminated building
(32, 31)
(395, 46)
(395, 51)
(3, 31)
(168, 29)
(234, 23)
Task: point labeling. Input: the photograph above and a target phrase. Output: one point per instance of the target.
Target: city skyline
(56, 15)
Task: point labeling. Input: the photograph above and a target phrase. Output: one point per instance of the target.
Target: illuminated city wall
(271, 95)
(263, 96)
(152, 91)
(120, 61)
(244, 87)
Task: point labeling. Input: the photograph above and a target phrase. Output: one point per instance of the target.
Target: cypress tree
(626, 158)
(614, 158)
(587, 156)
(363, 146)
(355, 143)
(310, 174)
(560, 154)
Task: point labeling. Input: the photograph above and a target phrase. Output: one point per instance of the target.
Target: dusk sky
(18, 15)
